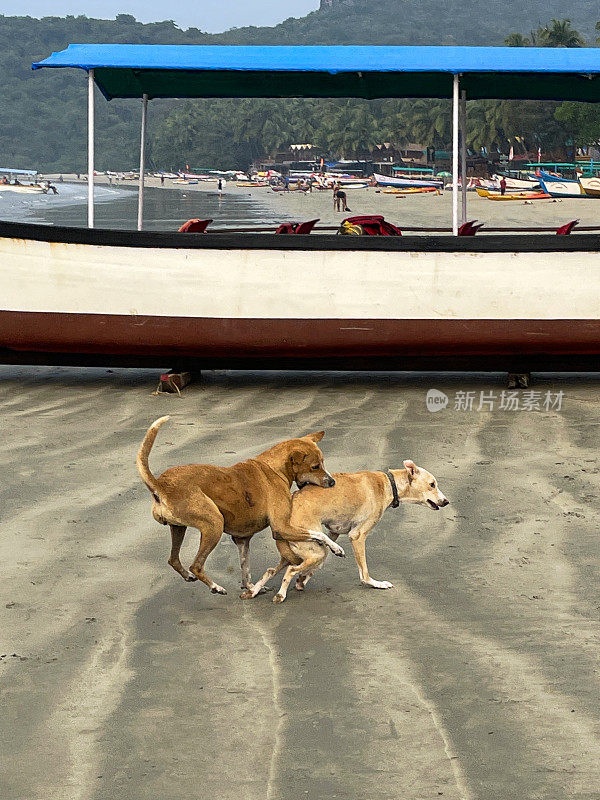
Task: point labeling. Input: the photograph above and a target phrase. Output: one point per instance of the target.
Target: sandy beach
(426, 210)
(475, 678)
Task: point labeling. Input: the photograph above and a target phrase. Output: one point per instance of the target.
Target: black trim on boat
(542, 362)
(491, 243)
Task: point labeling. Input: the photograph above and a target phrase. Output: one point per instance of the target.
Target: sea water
(116, 207)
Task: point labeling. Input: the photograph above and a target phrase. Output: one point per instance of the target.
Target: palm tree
(560, 34)
(517, 40)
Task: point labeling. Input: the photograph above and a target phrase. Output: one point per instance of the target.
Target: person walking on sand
(220, 187)
(502, 186)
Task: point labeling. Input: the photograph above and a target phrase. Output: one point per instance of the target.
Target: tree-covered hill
(470, 22)
(43, 114)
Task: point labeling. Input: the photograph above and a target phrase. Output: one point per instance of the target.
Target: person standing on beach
(162, 179)
(502, 186)
(220, 187)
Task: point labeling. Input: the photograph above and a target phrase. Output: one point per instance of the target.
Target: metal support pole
(91, 148)
(455, 98)
(140, 218)
(463, 153)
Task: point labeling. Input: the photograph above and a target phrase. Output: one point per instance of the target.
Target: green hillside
(43, 114)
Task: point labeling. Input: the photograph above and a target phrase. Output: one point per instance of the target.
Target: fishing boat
(518, 196)
(248, 299)
(23, 188)
(513, 183)
(13, 181)
(384, 180)
(411, 190)
(496, 194)
(590, 186)
(560, 187)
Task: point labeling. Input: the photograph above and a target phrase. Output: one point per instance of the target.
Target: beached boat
(21, 181)
(560, 187)
(518, 196)
(251, 299)
(23, 188)
(94, 296)
(516, 183)
(496, 194)
(590, 186)
(354, 184)
(411, 190)
(384, 180)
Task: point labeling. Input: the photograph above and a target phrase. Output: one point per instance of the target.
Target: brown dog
(354, 507)
(240, 500)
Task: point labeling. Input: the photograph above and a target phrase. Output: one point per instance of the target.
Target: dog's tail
(144, 452)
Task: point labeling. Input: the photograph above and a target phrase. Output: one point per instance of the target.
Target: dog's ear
(411, 468)
(314, 437)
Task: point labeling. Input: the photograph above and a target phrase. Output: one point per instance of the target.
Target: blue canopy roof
(127, 70)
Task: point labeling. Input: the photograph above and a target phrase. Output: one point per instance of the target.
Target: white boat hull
(294, 299)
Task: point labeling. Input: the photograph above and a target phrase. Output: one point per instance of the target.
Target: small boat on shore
(494, 194)
(517, 183)
(354, 184)
(411, 190)
(384, 180)
(10, 181)
(591, 186)
(24, 188)
(519, 196)
(561, 187)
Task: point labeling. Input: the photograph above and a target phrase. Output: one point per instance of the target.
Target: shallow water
(116, 207)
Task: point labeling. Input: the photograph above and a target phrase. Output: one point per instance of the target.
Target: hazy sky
(209, 15)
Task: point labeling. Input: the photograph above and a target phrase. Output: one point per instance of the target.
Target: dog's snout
(330, 482)
(445, 502)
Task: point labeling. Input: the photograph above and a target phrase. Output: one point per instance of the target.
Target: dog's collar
(396, 501)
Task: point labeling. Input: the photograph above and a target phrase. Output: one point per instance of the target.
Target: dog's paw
(216, 589)
(247, 594)
(189, 577)
(279, 598)
(300, 586)
(379, 584)
(337, 550)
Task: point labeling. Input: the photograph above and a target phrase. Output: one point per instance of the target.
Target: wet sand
(475, 677)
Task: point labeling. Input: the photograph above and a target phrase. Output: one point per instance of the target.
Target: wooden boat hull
(562, 188)
(23, 188)
(383, 180)
(393, 302)
(411, 190)
(591, 186)
(521, 195)
(517, 184)
(518, 196)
